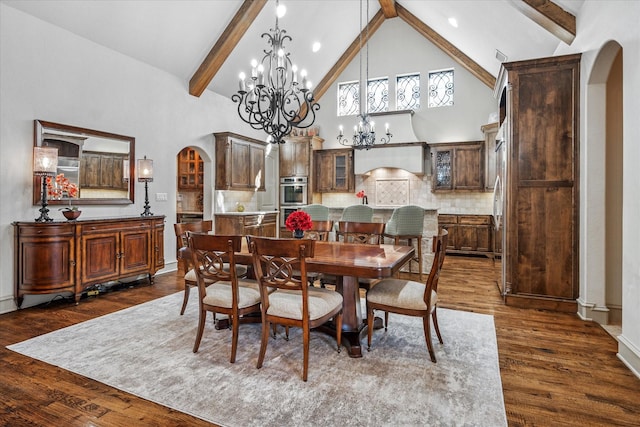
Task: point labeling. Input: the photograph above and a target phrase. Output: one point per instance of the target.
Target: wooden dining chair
(410, 298)
(293, 303)
(184, 256)
(370, 233)
(319, 231)
(219, 288)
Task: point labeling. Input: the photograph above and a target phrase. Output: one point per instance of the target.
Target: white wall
(54, 75)
(599, 22)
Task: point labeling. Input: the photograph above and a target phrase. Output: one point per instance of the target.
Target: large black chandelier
(364, 132)
(272, 99)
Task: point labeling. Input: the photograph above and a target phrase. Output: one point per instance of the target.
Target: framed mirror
(101, 164)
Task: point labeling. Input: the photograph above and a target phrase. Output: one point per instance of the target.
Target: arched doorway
(601, 295)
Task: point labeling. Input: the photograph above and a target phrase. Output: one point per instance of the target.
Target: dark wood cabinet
(334, 171)
(541, 113)
(295, 156)
(69, 257)
(190, 170)
(262, 224)
(468, 234)
(458, 166)
(239, 162)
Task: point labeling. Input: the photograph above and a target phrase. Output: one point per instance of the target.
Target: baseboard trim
(541, 303)
(629, 354)
(592, 312)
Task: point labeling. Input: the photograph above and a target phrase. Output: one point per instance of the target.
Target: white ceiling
(176, 35)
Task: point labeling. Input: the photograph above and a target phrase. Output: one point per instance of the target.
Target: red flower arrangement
(360, 194)
(62, 187)
(298, 220)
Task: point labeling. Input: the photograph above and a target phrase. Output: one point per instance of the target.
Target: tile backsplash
(386, 187)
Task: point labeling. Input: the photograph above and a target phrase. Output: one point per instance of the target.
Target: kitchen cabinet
(458, 166)
(539, 105)
(295, 156)
(57, 257)
(468, 234)
(102, 171)
(263, 224)
(190, 170)
(334, 171)
(239, 162)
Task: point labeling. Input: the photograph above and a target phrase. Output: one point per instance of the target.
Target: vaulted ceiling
(207, 43)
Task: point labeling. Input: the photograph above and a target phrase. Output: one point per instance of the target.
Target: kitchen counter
(246, 213)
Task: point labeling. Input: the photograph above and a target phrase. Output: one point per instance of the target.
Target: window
(408, 91)
(378, 95)
(348, 98)
(441, 88)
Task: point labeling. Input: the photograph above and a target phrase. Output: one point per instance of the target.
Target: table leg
(352, 324)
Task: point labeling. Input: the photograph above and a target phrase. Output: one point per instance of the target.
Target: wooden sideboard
(71, 256)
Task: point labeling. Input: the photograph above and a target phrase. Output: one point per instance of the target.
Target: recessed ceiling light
(454, 22)
(316, 47)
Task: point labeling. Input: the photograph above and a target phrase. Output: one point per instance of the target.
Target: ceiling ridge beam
(225, 44)
(348, 55)
(549, 16)
(447, 47)
(388, 8)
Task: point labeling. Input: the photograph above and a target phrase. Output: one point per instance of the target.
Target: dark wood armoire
(540, 123)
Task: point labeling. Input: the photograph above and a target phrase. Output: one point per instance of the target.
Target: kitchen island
(260, 223)
(383, 214)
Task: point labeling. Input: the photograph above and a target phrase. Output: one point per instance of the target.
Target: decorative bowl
(71, 215)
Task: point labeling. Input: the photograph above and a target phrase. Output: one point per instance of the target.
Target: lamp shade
(45, 161)
(145, 169)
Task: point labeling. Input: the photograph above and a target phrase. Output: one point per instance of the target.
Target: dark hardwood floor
(556, 369)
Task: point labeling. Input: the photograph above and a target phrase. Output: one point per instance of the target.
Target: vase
(365, 201)
(298, 234)
(71, 215)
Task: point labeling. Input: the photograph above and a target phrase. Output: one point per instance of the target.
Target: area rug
(146, 350)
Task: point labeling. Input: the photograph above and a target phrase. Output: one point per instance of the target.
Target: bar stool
(356, 213)
(317, 212)
(406, 223)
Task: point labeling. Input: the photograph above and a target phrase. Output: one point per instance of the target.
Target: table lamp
(145, 174)
(45, 164)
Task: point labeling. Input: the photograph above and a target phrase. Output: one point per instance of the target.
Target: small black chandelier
(364, 133)
(272, 99)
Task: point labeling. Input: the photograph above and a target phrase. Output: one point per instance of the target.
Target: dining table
(348, 262)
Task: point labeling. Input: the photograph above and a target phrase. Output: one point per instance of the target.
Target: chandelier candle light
(364, 133)
(45, 164)
(272, 99)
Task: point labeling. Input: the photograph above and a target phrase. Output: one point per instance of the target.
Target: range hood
(405, 151)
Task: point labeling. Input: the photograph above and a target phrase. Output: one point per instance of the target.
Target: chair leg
(263, 343)
(201, 321)
(419, 239)
(427, 336)
(386, 320)
(369, 326)
(305, 344)
(338, 320)
(235, 324)
(434, 316)
(185, 300)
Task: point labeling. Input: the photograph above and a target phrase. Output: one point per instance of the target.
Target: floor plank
(556, 369)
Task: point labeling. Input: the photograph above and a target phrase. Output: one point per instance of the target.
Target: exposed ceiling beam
(549, 16)
(388, 8)
(483, 75)
(220, 51)
(348, 55)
